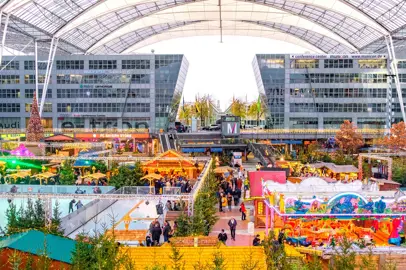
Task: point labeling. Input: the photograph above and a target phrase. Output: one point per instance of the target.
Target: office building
(95, 91)
(321, 91)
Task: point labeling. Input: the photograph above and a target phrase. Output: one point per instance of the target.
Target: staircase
(195, 257)
(265, 153)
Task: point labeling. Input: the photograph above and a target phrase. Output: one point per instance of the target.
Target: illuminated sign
(338, 56)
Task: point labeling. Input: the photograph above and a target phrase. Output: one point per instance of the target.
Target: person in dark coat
(256, 241)
(148, 240)
(157, 186)
(166, 231)
(232, 223)
(222, 236)
(156, 234)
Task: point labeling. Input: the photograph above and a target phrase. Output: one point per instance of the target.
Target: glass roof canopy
(123, 26)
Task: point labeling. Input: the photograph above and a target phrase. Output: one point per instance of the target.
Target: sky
(221, 69)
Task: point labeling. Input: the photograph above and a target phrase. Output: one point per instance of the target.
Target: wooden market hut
(338, 172)
(178, 164)
(32, 244)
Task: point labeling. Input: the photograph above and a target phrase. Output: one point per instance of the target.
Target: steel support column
(51, 57)
(36, 68)
(395, 73)
(3, 39)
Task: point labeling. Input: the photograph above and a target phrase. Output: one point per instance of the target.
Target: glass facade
(96, 91)
(321, 91)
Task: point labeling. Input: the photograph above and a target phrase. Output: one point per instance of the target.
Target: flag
(259, 104)
(183, 103)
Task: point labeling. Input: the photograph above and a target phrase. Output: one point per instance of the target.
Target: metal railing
(144, 190)
(55, 189)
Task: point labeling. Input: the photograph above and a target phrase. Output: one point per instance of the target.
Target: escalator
(163, 139)
(265, 153)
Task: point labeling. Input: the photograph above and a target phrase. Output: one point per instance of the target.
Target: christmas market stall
(330, 170)
(172, 163)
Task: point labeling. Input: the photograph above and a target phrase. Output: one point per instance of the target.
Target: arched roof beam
(90, 33)
(352, 30)
(323, 43)
(97, 10)
(247, 11)
(203, 30)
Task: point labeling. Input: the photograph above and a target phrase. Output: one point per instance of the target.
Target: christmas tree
(35, 130)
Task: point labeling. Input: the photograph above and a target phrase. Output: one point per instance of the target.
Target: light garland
(115, 158)
(22, 131)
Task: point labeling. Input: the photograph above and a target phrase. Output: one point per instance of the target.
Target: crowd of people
(164, 185)
(153, 237)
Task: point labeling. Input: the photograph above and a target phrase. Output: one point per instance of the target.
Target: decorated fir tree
(35, 131)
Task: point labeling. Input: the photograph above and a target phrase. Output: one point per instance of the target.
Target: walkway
(242, 237)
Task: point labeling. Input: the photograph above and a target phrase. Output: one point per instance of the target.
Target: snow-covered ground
(118, 210)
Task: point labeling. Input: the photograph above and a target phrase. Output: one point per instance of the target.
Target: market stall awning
(45, 175)
(59, 138)
(20, 174)
(223, 169)
(96, 176)
(335, 168)
(161, 160)
(152, 176)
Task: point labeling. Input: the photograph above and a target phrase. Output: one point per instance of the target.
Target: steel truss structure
(115, 26)
(52, 28)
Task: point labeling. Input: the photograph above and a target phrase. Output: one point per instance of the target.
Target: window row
(338, 78)
(47, 107)
(331, 122)
(102, 64)
(339, 92)
(338, 63)
(135, 64)
(9, 107)
(70, 64)
(30, 79)
(10, 65)
(103, 93)
(337, 107)
(29, 93)
(9, 79)
(30, 65)
(371, 122)
(300, 123)
(10, 93)
(103, 79)
(103, 107)
(304, 63)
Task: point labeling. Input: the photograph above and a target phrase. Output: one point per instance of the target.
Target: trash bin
(251, 228)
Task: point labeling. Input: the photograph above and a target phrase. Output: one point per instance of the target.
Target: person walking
(223, 202)
(243, 211)
(156, 234)
(79, 205)
(232, 223)
(222, 236)
(229, 201)
(71, 203)
(166, 231)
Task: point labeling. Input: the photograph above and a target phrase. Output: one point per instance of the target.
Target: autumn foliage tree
(35, 130)
(348, 139)
(397, 138)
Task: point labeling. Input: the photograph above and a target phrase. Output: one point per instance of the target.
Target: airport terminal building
(321, 91)
(95, 91)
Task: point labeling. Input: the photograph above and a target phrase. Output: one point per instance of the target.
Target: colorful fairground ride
(323, 221)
